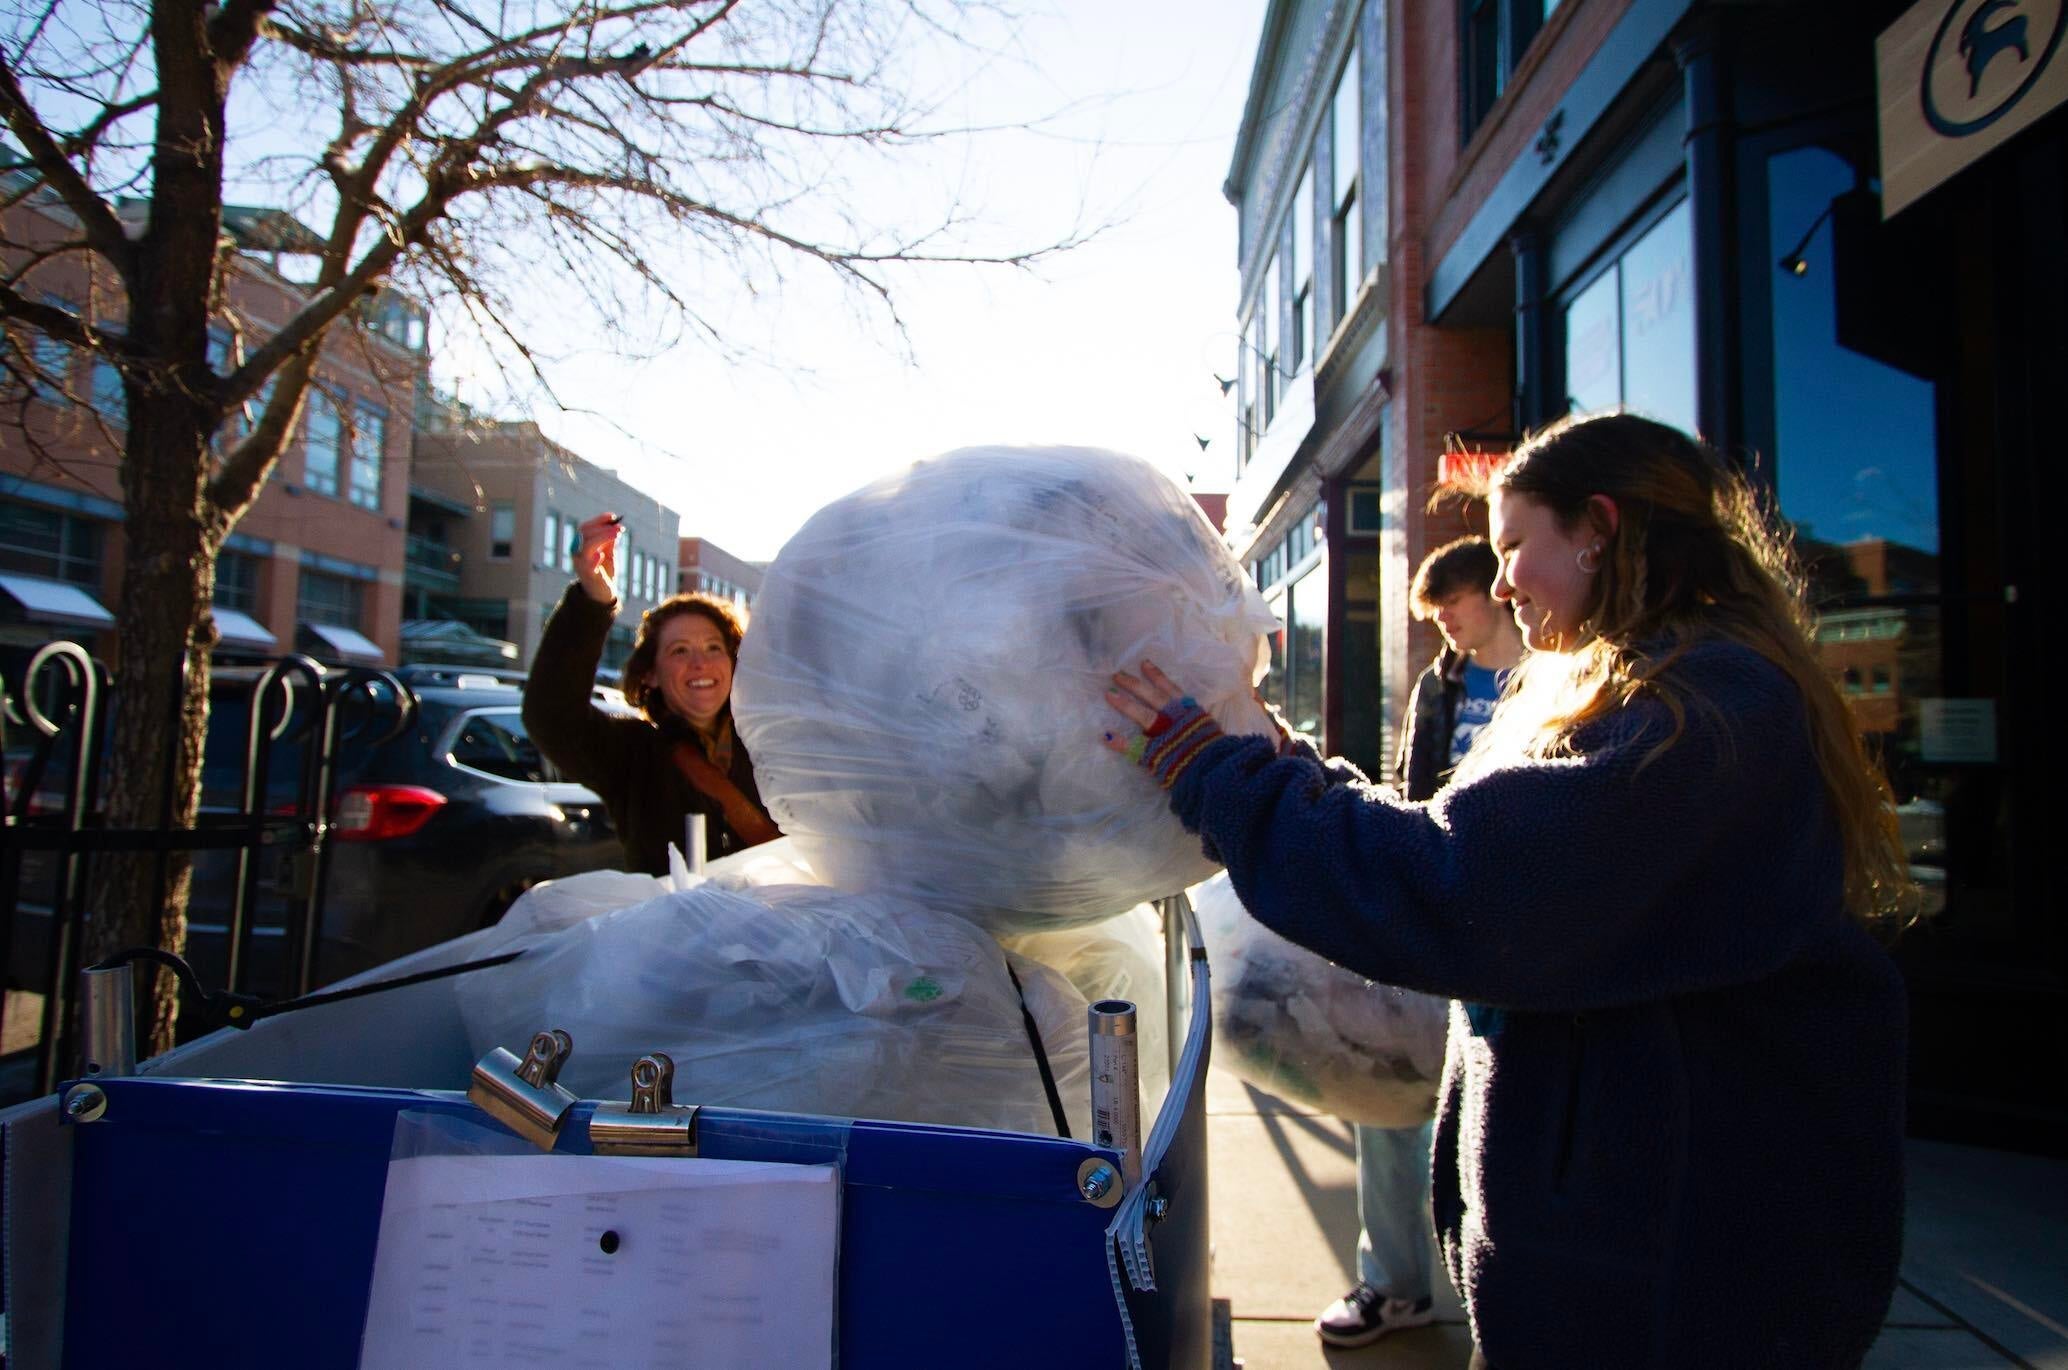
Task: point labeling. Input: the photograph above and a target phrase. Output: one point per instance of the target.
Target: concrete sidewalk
(1985, 1263)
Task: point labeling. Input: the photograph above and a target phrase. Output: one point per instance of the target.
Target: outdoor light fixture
(1795, 264)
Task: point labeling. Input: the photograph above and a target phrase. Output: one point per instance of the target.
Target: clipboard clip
(652, 1124)
(526, 1096)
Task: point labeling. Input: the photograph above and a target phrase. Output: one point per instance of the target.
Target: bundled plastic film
(1298, 1025)
(923, 687)
(795, 998)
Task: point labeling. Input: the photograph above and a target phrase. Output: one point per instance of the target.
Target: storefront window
(1866, 468)
(1856, 467)
(1273, 686)
(1630, 335)
(1659, 322)
(1306, 626)
(1593, 348)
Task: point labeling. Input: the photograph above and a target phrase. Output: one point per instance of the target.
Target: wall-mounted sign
(1956, 731)
(1958, 78)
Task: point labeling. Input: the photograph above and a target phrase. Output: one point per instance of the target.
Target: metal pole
(1116, 1084)
(107, 999)
(1177, 978)
(693, 842)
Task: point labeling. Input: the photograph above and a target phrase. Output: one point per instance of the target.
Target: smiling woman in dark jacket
(1670, 1132)
(683, 756)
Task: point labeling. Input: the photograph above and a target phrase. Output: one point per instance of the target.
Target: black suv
(439, 829)
(436, 831)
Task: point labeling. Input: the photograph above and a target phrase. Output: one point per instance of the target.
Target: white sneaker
(1364, 1315)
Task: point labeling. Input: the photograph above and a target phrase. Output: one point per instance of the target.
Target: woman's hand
(1140, 700)
(1174, 728)
(596, 561)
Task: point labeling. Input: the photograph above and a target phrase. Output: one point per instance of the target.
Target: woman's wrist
(1174, 740)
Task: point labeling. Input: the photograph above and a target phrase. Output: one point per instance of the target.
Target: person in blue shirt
(1451, 702)
(1671, 1123)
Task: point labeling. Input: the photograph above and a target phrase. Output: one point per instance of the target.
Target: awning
(345, 643)
(53, 601)
(239, 629)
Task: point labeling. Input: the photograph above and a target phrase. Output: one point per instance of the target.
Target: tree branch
(235, 27)
(62, 324)
(103, 230)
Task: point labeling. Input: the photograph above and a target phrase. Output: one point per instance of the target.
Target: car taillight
(374, 813)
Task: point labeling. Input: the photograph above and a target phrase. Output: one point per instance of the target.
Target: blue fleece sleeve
(1598, 879)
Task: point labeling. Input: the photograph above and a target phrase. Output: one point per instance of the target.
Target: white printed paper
(617, 1263)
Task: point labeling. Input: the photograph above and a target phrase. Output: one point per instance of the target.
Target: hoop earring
(1587, 567)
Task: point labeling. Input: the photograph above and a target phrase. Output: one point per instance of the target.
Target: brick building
(499, 504)
(702, 564)
(314, 565)
(1826, 238)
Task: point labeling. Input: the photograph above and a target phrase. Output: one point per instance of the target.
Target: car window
(494, 741)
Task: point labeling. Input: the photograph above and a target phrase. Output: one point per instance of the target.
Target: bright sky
(1114, 344)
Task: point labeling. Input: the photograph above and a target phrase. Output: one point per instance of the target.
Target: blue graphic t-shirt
(1475, 708)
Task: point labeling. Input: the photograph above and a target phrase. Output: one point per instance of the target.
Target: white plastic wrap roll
(922, 688)
(1300, 1026)
(793, 998)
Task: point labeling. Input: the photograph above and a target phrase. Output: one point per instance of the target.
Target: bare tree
(458, 149)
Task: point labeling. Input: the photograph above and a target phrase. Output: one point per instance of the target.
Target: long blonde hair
(1695, 554)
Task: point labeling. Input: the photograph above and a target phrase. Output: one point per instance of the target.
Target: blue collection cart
(221, 1206)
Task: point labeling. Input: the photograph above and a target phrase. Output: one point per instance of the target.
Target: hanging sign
(1958, 78)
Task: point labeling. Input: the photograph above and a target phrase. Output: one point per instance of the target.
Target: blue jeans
(1395, 1250)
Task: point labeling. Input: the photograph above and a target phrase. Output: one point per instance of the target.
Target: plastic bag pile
(1298, 1025)
(922, 688)
(922, 693)
(795, 998)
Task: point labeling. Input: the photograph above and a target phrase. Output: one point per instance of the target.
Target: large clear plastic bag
(792, 998)
(923, 687)
(1121, 958)
(1300, 1026)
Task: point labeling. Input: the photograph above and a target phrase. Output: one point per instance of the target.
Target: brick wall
(1447, 379)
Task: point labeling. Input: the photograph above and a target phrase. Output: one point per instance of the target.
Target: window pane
(320, 473)
(1303, 232)
(497, 743)
(1309, 603)
(1274, 682)
(1481, 60)
(236, 581)
(1593, 374)
(1867, 468)
(1349, 255)
(1348, 134)
(369, 435)
(1268, 306)
(108, 400)
(53, 360)
(49, 543)
(321, 598)
(1859, 482)
(502, 529)
(1659, 323)
(552, 538)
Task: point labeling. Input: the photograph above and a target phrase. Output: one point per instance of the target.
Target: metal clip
(653, 1124)
(524, 1095)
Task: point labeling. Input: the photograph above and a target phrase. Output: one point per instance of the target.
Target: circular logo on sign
(1985, 56)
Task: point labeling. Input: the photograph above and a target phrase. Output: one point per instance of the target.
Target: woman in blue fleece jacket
(1672, 1115)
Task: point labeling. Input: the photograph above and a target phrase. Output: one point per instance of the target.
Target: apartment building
(315, 564)
(499, 504)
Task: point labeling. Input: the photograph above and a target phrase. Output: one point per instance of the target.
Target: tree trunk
(160, 714)
(163, 631)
